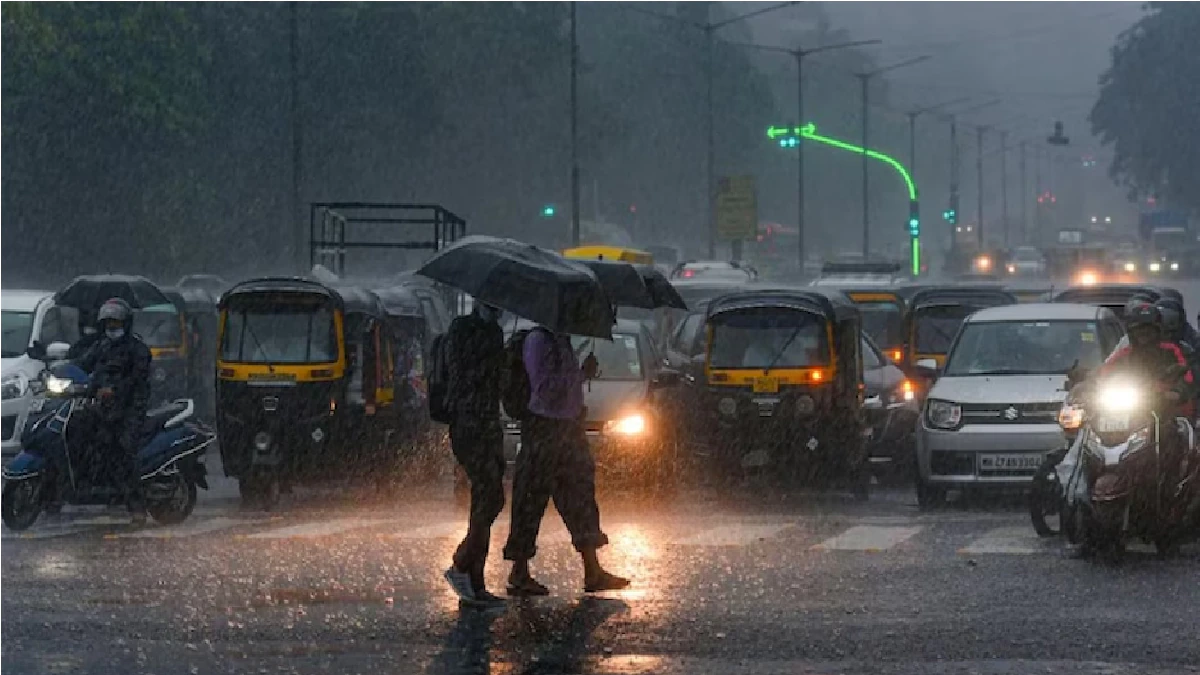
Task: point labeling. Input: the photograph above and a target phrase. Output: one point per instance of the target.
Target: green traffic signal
(548, 211)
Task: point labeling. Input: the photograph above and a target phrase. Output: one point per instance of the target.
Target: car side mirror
(36, 351)
(927, 368)
(666, 378)
(57, 351)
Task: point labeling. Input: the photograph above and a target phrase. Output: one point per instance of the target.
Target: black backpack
(441, 408)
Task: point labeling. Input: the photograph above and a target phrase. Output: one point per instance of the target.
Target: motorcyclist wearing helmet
(1149, 351)
(119, 365)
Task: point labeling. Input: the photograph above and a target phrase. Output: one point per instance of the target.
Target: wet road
(750, 583)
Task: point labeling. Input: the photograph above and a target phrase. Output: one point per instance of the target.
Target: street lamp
(955, 165)
(799, 54)
(709, 29)
(864, 78)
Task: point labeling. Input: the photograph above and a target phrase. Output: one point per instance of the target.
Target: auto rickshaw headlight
(727, 406)
(805, 404)
(262, 440)
(630, 425)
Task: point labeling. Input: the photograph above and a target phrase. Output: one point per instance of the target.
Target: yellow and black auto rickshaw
(783, 385)
(882, 318)
(304, 385)
(198, 320)
(599, 252)
(935, 314)
(163, 329)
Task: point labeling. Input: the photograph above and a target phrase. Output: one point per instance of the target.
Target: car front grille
(949, 463)
(8, 426)
(1017, 413)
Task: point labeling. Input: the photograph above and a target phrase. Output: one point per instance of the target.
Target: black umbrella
(622, 283)
(662, 293)
(89, 292)
(528, 281)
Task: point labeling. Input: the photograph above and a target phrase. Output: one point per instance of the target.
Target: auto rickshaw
(934, 315)
(412, 339)
(162, 327)
(882, 318)
(304, 385)
(629, 255)
(783, 385)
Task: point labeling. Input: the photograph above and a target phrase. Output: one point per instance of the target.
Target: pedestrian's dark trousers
(478, 446)
(555, 461)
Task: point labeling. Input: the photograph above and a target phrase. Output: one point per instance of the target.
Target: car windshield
(620, 358)
(1025, 348)
(1027, 255)
(16, 327)
(768, 338)
(279, 333)
(158, 326)
(935, 327)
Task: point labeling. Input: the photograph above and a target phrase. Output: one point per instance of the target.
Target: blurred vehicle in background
(1026, 261)
(28, 317)
(730, 270)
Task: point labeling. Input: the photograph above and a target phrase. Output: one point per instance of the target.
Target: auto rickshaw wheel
(260, 490)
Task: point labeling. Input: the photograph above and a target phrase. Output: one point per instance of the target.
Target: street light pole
(574, 128)
(979, 187)
(1004, 183)
(297, 135)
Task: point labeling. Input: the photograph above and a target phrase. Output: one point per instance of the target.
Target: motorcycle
(60, 462)
(1047, 497)
(1126, 485)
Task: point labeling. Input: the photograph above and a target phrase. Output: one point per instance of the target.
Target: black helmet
(115, 309)
(1136, 299)
(1144, 323)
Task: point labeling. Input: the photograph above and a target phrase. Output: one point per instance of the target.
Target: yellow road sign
(737, 208)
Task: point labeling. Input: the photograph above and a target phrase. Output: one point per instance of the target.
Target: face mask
(115, 333)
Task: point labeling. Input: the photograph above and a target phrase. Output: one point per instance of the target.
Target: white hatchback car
(27, 316)
(991, 417)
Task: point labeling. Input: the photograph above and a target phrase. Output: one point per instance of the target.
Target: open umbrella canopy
(662, 293)
(622, 283)
(89, 292)
(528, 281)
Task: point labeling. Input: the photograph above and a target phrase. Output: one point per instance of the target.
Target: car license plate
(766, 385)
(1109, 423)
(1026, 462)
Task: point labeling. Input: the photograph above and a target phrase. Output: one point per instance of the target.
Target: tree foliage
(1148, 102)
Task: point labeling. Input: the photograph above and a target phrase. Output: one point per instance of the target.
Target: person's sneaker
(485, 599)
(605, 582)
(460, 583)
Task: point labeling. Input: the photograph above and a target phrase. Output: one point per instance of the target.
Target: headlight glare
(57, 385)
(943, 414)
(1155, 267)
(1119, 397)
(1174, 267)
(1130, 267)
(630, 425)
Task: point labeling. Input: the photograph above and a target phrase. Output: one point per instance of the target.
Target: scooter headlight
(57, 385)
(15, 386)
(1118, 397)
(630, 425)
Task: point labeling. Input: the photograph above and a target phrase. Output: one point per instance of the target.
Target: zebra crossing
(954, 534)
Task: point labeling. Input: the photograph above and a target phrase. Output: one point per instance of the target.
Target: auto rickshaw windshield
(279, 330)
(158, 326)
(769, 338)
(881, 320)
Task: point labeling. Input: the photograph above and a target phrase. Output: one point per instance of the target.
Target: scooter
(59, 462)
(1123, 486)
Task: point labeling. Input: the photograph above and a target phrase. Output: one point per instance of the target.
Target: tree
(1148, 102)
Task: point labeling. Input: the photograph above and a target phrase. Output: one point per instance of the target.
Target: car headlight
(1130, 267)
(1174, 267)
(1012, 269)
(905, 393)
(1155, 267)
(14, 386)
(630, 425)
(1088, 278)
(57, 385)
(727, 406)
(1118, 397)
(943, 414)
(983, 263)
(1070, 417)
